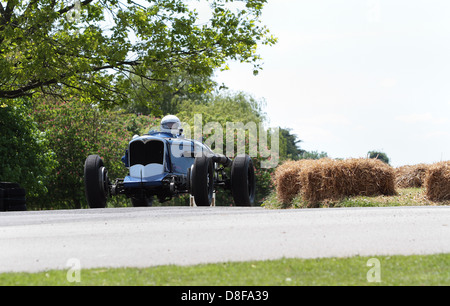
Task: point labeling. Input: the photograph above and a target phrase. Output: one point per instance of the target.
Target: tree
(168, 99)
(25, 154)
(289, 148)
(379, 155)
(222, 108)
(313, 155)
(93, 48)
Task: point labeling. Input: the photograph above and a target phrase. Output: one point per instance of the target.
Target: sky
(353, 76)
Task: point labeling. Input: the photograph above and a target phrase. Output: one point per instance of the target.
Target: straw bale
(286, 180)
(437, 182)
(411, 176)
(328, 179)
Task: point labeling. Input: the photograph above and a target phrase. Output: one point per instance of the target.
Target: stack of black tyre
(12, 197)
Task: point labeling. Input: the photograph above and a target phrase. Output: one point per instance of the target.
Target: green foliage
(25, 153)
(99, 50)
(76, 130)
(379, 155)
(223, 108)
(167, 100)
(289, 145)
(313, 155)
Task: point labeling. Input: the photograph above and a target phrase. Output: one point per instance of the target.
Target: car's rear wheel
(202, 180)
(96, 182)
(243, 182)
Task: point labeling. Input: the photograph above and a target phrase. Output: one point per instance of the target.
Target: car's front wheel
(202, 180)
(96, 182)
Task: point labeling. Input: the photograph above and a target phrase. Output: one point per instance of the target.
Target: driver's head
(171, 124)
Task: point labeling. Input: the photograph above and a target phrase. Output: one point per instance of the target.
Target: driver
(172, 125)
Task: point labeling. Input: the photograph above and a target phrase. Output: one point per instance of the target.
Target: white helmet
(171, 124)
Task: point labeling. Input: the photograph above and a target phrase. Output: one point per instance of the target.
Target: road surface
(143, 237)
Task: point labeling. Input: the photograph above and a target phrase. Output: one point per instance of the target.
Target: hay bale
(368, 177)
(437, 182)
(317, 180)
(286, 180)
(411, 176)
(328, 179)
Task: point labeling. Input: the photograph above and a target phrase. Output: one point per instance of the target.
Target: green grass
(394, 270)
(405, 197)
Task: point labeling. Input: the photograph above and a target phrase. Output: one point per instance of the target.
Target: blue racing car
(165, 164)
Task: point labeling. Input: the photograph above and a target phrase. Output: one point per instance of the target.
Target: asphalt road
(142, 237)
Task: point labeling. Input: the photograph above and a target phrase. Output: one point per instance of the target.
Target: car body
(165, 165)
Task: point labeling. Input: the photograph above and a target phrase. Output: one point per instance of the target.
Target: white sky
(351, 76)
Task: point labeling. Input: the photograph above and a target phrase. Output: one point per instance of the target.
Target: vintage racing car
(165, 164)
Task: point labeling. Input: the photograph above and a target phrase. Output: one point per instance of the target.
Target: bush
(379, 155)
(25, 154)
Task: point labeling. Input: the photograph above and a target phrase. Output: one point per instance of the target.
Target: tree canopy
(100, 49)
(25, 152)
(379, 155)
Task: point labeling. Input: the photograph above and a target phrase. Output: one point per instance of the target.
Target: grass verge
(425, 270)
(405, 197)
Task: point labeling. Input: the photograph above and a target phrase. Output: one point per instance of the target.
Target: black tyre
(202, 181)
(96, 182)
(243, 182)
(189, 179)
